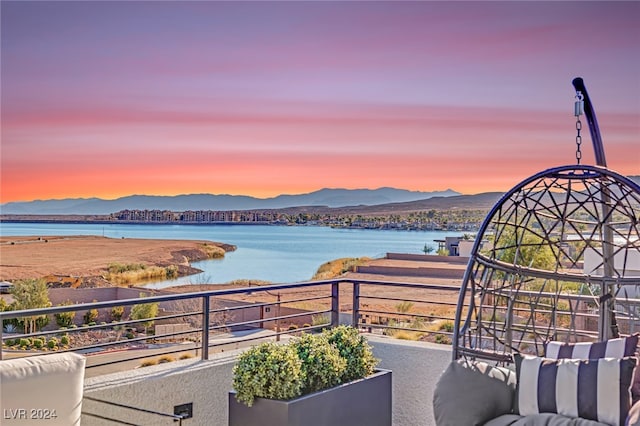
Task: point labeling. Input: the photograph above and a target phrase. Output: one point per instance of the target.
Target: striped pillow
(596, 389)
(613, 348)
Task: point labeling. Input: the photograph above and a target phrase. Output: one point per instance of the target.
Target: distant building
(449, 245)
(457, 246)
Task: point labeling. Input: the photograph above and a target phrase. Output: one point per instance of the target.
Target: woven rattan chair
(557, 259)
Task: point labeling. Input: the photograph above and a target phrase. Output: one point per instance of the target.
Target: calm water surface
(272, 253)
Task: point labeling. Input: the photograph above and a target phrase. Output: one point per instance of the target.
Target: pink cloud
(276, 97)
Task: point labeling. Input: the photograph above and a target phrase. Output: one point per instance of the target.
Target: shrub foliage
(310, 363)
(268, 371)
(355, 349)
(322, 364)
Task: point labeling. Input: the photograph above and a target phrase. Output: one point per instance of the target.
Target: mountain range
(355, 201)
(328, 197)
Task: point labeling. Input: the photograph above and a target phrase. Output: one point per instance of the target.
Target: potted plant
(316, 379)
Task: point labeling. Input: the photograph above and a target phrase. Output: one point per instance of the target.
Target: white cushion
(42, 389)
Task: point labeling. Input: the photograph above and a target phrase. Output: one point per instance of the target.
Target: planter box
(361, 402)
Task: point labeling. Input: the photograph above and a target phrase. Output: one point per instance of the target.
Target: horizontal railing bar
(269, 319)
(399, 299)
(214, 293)
(159, 299)
(425, 316)
(424, 286)
(266, 304)
(143, 410)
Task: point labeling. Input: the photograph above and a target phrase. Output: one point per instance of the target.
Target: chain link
(578, 111)
(578, 140)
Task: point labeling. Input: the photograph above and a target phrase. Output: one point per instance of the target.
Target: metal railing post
(278, 318)
(205, 327)
(335, 304)
(356, 305)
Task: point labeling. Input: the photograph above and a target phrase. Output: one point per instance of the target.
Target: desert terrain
(88, 257)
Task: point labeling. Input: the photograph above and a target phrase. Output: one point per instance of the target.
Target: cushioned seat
(42, 389)
(543, 419)
(474, 393)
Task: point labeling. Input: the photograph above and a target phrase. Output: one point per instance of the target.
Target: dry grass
(213, 252)
(406, 335)
(134, 273)
(338, 267)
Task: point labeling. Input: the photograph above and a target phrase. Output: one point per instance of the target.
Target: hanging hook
(596, 138)
(578, 108)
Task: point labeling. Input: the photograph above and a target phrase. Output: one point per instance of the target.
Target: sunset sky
(108, 99)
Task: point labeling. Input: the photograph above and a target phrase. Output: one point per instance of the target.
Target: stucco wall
(160, 388)
(461, 260)
(416, 368)
(411, 272)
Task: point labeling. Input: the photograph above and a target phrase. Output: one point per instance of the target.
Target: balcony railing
(212, 320)
(202, 322)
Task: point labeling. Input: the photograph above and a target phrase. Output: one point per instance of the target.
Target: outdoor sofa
(584, 384)
(42, 389)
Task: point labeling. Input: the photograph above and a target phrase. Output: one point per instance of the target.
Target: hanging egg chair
(556, 259)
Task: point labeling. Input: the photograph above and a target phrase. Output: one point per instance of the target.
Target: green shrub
(25, 343)
(38, 343)
(442, 339)
(41, 322)
(64, 340)
(129, 335)
(90, 316)
(355, 349)
(52, 343)
(322, 364)
(65, 319)
(117, 312)
(9, 342)
(268, 371)
(146, 311)
(446, 326)
(308, 364)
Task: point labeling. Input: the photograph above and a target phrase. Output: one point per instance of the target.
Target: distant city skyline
(109, 99)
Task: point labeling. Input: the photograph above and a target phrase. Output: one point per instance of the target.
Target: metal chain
(578, 111)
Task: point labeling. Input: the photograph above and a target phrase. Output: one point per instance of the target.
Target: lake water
(279, 254)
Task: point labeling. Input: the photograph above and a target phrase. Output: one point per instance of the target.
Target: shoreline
(403, 224)
(86, 258)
